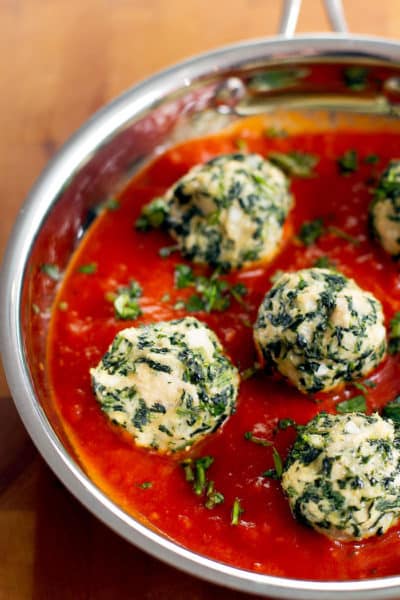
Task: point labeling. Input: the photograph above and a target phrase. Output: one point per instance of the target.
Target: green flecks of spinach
(392, 410)
(52, 271)
(355, 78)
(394, 334)
(295, 163)
(126, 304)
(111, 204)
(256, 440)
(153, 215)
(87, 269)
(348, 162)
(237, 510)
(311, 231)
(355, 404)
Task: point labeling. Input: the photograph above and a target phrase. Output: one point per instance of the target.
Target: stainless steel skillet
(199, 95)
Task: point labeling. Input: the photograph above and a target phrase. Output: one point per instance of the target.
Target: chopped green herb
(88, 269)
(168, 250)
(184, 276)
(126, 305)
(256, 440)
(36, 309)
(111, 204)
(343, 234)
(311, 231)
(248, 373)
(324, 262)
(286, 423)
(371, 159)
(165, 297)
(63, 306)
(369, 383)
(237, 510)
(270, 473)
(188, 469)
(51, 271)
(280, 78)
(356, 404)
(392, 410)
(213, 498)
(295, 163)
(355, 78)
(275, 132)
(277, 462)
(145, 485)
(213, 293)
(241, 145)
(153, 215)
(348, 162)
(394, 334)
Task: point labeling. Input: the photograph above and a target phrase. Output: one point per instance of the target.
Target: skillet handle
(291, 11)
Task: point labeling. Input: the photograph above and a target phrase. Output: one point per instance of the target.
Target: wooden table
(60, 61)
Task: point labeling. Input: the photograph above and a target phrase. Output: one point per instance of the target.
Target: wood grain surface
(61, 60)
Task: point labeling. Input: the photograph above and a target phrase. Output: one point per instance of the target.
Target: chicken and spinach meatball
(230, 211)
(385, 210)
(168, 384)
(320, 329)
(342, 476)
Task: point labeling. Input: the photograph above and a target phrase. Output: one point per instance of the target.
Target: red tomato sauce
(267, 538)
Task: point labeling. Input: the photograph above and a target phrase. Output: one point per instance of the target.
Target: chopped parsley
(371, 159)
(52, 271)
(286, 423)
(256, 440)
(324, 262)
(343, 234)
(295, 163)
(87, 269)
(111, 204)
(348, 162)
(237, 510)
(195, 473)
(153, 215)
(63, 306)
(212, 496)
(145, 485)
(394, 334)
(125, 302)
(36, 309)
(392, 410)
(241, 145)
(311, 231)
(275, 132)
(356, 404)
(355, 78)
(277, 462)
(213, 293)
(363, 387)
